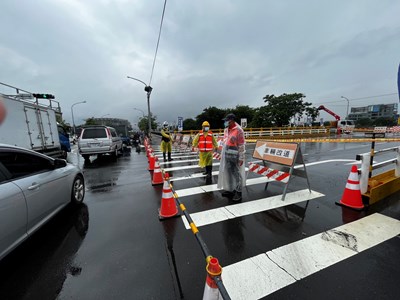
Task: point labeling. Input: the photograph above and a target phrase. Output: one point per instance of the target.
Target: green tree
(144, 125)
(190, 124)
(90, 121)
(213, 115)
(243, 111)
(384, 122)
(262, 118)
(280, 109)
(364, 122)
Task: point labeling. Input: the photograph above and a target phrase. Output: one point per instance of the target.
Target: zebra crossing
(260, 275)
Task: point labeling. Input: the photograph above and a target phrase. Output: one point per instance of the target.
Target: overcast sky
(212, 53)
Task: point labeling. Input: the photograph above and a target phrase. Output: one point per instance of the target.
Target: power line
(355, 99)
(158, 42)
(374, 96)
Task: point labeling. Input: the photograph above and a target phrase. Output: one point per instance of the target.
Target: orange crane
(321, 107)
(337, 117)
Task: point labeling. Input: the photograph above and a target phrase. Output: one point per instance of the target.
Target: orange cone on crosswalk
(211, 291)
(352, 193)
(168, 207)
(157, 175)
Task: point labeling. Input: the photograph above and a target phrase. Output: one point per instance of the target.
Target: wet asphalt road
(115, 247)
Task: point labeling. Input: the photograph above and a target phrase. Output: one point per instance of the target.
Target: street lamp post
(148, 90)
(72, 114)
(348, 102)
(102, 121)
(139, 110)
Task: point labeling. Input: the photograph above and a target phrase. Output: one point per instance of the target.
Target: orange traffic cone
(157, 175)
(352, 193)
(168, 207)
(152, 162)
(211, 291)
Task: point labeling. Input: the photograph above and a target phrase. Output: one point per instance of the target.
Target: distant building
(374, 112)
(122, 126)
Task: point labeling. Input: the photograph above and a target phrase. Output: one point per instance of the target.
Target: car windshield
(94, 133)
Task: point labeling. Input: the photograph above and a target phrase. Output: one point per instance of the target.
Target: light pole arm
(72, 114)
(348, 102)
(136, 80)
(148, 90)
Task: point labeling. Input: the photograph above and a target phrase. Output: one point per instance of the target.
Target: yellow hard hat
(205, 123)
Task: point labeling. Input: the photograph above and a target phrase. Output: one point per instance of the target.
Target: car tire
(115, 153)
(64, 154)
(78, 190)
(86, 158)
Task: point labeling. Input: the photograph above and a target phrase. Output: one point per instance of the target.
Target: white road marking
(326, 161)
(186, 167)
(252, 181)
(247, 208)
(179, 156)
(213, 187)
(197, 175)
(261, 275)
(179, 161)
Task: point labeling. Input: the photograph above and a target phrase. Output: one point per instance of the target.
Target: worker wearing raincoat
(166, 142)
(232, 176)
(206, 143)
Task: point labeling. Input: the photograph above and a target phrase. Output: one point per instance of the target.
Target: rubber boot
(165, 156)
(169, 156)
(237, 196)
(209, 173)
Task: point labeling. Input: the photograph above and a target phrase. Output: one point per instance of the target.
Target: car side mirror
(59, 163)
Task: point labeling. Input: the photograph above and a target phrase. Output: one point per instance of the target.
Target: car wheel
(115, 154)
(64, 154)
(78, 190)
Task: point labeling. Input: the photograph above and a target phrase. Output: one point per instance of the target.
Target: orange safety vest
(234, 138)
(205, 142)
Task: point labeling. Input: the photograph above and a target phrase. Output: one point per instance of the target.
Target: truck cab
(64, 140)
(346, 126)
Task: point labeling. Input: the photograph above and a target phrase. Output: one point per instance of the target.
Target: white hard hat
(165, 124)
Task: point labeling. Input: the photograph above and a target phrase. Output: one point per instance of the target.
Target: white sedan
(33, 189)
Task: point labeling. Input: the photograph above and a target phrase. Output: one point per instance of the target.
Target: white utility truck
(32, 124)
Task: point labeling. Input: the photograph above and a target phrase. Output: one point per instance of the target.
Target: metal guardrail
(367, 166)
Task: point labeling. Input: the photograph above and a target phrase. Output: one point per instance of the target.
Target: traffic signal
(43, 96)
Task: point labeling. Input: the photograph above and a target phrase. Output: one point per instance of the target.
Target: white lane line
(174, 152)
(192, 176)
(179, 161)
(196, 175)
(160, 154)
(266, 273)
(326, 161)
(213, 187)
(247, 208)
(180, 156)
(296, 167)
(186, 167)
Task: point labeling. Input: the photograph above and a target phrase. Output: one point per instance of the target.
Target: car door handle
(34, 186)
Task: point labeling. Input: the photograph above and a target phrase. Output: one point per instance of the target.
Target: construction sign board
(186, 139)
(281, 153)
(177, 139)
(279, 160)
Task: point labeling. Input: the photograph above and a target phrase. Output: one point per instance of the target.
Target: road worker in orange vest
(206, 143)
